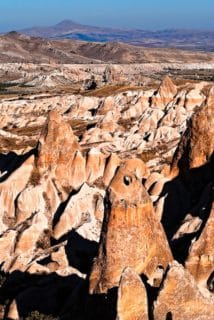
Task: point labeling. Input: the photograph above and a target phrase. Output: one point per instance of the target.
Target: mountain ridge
(16, 47)
(175, 38)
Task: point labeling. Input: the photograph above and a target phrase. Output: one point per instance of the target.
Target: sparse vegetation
(36, 315)
(110, 90)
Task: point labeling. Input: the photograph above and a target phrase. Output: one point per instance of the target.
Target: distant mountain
(174, 38)
(16, 47)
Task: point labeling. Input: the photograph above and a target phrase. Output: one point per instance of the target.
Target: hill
(170, 38)
(16, 47)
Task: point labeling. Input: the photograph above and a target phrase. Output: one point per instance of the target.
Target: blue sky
(143, 14)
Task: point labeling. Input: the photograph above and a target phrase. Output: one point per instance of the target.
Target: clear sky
(142, 14)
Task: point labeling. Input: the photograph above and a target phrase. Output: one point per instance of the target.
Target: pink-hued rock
(200, 261)
(83, 213)
(165, 93)
(132, 302)
(131, 235)
(95, 165)
(181, 299)
(10, 189)
(59, 152)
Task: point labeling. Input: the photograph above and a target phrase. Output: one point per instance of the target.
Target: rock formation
(131, 235)
(99, 193)
(180, 298)
(59, 155)
(132, 297)
(197, 145)
(200, 261)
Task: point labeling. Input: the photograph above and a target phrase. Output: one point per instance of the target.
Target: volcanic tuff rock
(132, 297)
(197, 145)
(200, 261)
(129, 215)
(180, 298)
(102, 194)
(59, 155)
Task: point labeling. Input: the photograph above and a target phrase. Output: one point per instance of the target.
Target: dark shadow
(11, 161)
(102, 306)
(152, 294)
(63, 297)
(184, 195)
(43, 293)
(62, 207)
(80, 251)
(210, 282)
(169, 316)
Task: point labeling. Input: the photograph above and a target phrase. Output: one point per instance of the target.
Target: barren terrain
(106, 182)
(202, 40)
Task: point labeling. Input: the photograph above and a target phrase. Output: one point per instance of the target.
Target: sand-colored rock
(29, 238)
(132, 300)
(83, 208)
(95, 165)
(30, 201)
(200, 261)
(197, 145)
(131, 235)
(194, 98)
(165, 93)
(180, 298)
(110, 169)
(10, 189)
(59, 152)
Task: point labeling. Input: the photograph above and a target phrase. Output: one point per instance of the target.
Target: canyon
(106, 184)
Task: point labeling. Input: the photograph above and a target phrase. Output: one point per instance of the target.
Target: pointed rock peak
(167, 82)
(197, 144)
(165, 93)
(59, 156)
(200, 261)
(167, 85)
(57, 143)
(131, 235)
(181, 298)
(126, 186)
(132, 297)
(54, 116)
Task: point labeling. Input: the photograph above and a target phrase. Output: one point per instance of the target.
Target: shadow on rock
(43, 293)
(11, 161)
(185, 195)
(80, 251)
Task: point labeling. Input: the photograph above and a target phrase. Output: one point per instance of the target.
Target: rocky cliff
(106, 205)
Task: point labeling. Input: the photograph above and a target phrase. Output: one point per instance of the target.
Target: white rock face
(83, 213)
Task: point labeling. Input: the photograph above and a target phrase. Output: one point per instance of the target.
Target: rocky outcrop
(95, 207)
(180, 298)
(197, 144)
(131, 235)
(10, 190)
(200, 261)
(132, 297)
(83, 213)
(165, 93)
(59, 155)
